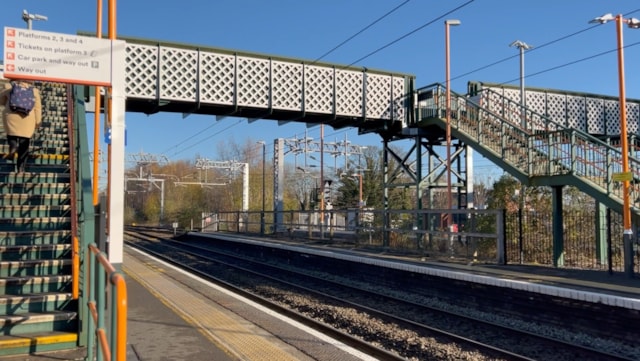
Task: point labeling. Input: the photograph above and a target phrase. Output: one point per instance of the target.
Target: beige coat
(16, 124)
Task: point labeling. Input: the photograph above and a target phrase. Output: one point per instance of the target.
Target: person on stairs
(18, 126)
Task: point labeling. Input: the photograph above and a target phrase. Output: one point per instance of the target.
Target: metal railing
(545, 149)
(113, 346)
(96, 269)
(478, 236)
(529, 240)
(75, 243)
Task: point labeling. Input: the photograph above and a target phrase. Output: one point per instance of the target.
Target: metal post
(447, 24)
(624, 149)
(360, 202)
(627, 235)
(522, 46)
(322, 181)
(264, 155)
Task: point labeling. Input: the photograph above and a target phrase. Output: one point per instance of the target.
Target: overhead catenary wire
(411, 32)
(537, 48)
(360, 31)
(373, 52)
(190, 137)
(207, 138)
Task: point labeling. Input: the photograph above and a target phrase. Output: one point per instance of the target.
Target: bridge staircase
(538, 151)
(37, 310)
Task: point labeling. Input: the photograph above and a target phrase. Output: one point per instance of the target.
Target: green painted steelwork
(558, 230)
(555, 157)
(86, 212)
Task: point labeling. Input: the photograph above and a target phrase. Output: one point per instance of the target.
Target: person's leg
(13, 146)
(23, 153)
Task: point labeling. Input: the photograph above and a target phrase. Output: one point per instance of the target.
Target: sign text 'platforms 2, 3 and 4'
(31, 54)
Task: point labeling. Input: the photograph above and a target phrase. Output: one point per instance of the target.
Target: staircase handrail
(551, 124)
(75, 246)
(116, 343)
(567, 150)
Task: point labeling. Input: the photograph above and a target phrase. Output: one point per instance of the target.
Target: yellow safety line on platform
(211, 320)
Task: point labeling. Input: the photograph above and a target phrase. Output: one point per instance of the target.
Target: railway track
(387, 323)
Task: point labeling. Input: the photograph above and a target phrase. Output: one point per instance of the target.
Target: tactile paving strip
(208, 317)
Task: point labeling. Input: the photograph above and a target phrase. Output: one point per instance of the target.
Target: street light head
(520, 45)
(26, 16)
(633, 23)
(452, 22)
(603, 19)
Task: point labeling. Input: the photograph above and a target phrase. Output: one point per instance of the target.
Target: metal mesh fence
(529, 240)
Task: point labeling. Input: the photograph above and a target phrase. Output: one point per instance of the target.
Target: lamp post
(447, 24)
(264, 153)
(624, 147)
(522, 46)
(28, 18)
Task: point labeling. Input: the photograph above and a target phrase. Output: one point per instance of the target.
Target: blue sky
(409, 40)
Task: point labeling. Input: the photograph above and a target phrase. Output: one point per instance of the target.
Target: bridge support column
(419, 217)
(406, 172)
(278, 185)
(385, 196)
(602, 230)
(558, 234)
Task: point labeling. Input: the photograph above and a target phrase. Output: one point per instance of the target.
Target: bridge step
(36, 267)
(26, 285)
(25, 253)
(35, 224)
(35, 322)
(35, 199)
(35, 188)
(36, 302)
(28, 238)
(25, 344)
(44, 175)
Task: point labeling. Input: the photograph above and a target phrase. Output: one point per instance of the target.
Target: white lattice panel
(209, 77)
(318, 89)
(512, 94)
(217, 78)
(612, 116)
(632, 117)
(287, 85)
(378, 96)
(494, 102)
(536, 102)
(399, 99)
(349, 86)
(576, 115)
(588, 113)
(141, 71)
(253, 82)
(595, 114)
(178, 74)
(512, 110)
(555, 108)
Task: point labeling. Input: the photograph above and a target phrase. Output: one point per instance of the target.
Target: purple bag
(21, 99)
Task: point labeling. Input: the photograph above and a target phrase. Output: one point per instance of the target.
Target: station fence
(482, 236)
(471, 235)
